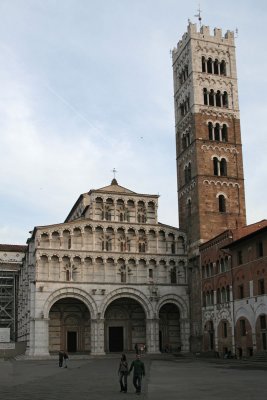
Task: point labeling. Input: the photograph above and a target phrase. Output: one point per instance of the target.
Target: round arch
(176, 300)
(132, 294)
(74, 293)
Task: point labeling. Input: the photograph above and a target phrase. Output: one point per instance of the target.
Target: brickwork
(207, 132)
(234, 300)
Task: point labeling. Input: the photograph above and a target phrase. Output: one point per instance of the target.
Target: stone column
(254, 339)
(93, 234)
(40, 337)
(185, 333)
(157, 242)
(82, 238)
(152, 335)
(97, 336)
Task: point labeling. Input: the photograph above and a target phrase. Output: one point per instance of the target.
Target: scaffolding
(8, 300)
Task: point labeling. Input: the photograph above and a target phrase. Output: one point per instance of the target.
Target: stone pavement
(167, 378)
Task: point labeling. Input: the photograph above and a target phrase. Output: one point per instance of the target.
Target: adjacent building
(11, 259)
(234, 296)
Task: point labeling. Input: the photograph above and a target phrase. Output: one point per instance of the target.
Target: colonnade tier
(119, 208)
(115, 227)
(118, 239)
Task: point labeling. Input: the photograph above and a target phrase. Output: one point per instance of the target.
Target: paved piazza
(168, 378)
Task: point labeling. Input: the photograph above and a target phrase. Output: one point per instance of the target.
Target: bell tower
(208, 140)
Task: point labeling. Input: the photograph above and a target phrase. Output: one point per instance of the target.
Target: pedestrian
(66, 357)
(136, 348)
(138, 373)
(60, 358)
(123, 373)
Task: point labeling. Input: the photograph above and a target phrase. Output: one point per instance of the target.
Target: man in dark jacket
(138, 372)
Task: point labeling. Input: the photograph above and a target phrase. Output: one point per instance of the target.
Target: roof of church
(114, 187)
(13, 247)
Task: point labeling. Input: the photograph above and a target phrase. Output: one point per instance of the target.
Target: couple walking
(138, 372)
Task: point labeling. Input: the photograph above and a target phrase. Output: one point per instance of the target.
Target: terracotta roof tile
(13, 247)
(248, 229)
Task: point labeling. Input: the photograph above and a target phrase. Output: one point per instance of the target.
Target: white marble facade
(110, 277)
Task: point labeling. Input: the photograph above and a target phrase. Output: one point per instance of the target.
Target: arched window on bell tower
(224, 133)
(223, 167)
(216, 165)
(222, 203)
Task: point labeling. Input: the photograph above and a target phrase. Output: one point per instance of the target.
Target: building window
(241, 291)
(242, 327)
(205, 96)
(217, 132)
(173, 275)
(222, 203)
(225, 99)
(239, 257)
(262, 322)
(150, 273)
(218, 296)
(123, 275)
(108, 215)
(67, 275)
(223, 167)
(225, 329)
(216, 164)
(227, 293)
(209, 66)
(260, 249)
(261, 288)
(142, 247)
(224, 133)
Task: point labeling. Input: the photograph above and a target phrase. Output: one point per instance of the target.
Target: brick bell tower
(208, 139)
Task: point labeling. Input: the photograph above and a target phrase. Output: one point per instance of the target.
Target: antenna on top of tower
(198, 15)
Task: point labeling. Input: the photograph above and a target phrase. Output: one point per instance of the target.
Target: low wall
(11, 350)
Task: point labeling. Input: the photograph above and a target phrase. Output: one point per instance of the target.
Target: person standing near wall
(138, 373)
(60, 358)
(123, 373)
(66, 357)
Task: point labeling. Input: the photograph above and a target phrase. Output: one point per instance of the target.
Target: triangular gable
(114, 187)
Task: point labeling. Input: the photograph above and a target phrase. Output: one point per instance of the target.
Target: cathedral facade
(107, 279)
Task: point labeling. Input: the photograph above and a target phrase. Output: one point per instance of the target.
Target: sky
(86, 86)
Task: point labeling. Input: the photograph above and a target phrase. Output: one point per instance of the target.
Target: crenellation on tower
(203, 35)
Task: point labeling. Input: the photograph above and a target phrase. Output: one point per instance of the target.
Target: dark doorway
(72, 342)
(160, 341)
(115, 338)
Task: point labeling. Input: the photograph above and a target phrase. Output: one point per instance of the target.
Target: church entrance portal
(125, 325)
(115, 338)
(69, 326)
(169, 328)
(72, 341)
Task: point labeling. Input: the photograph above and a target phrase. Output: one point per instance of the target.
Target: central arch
(125, 325)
